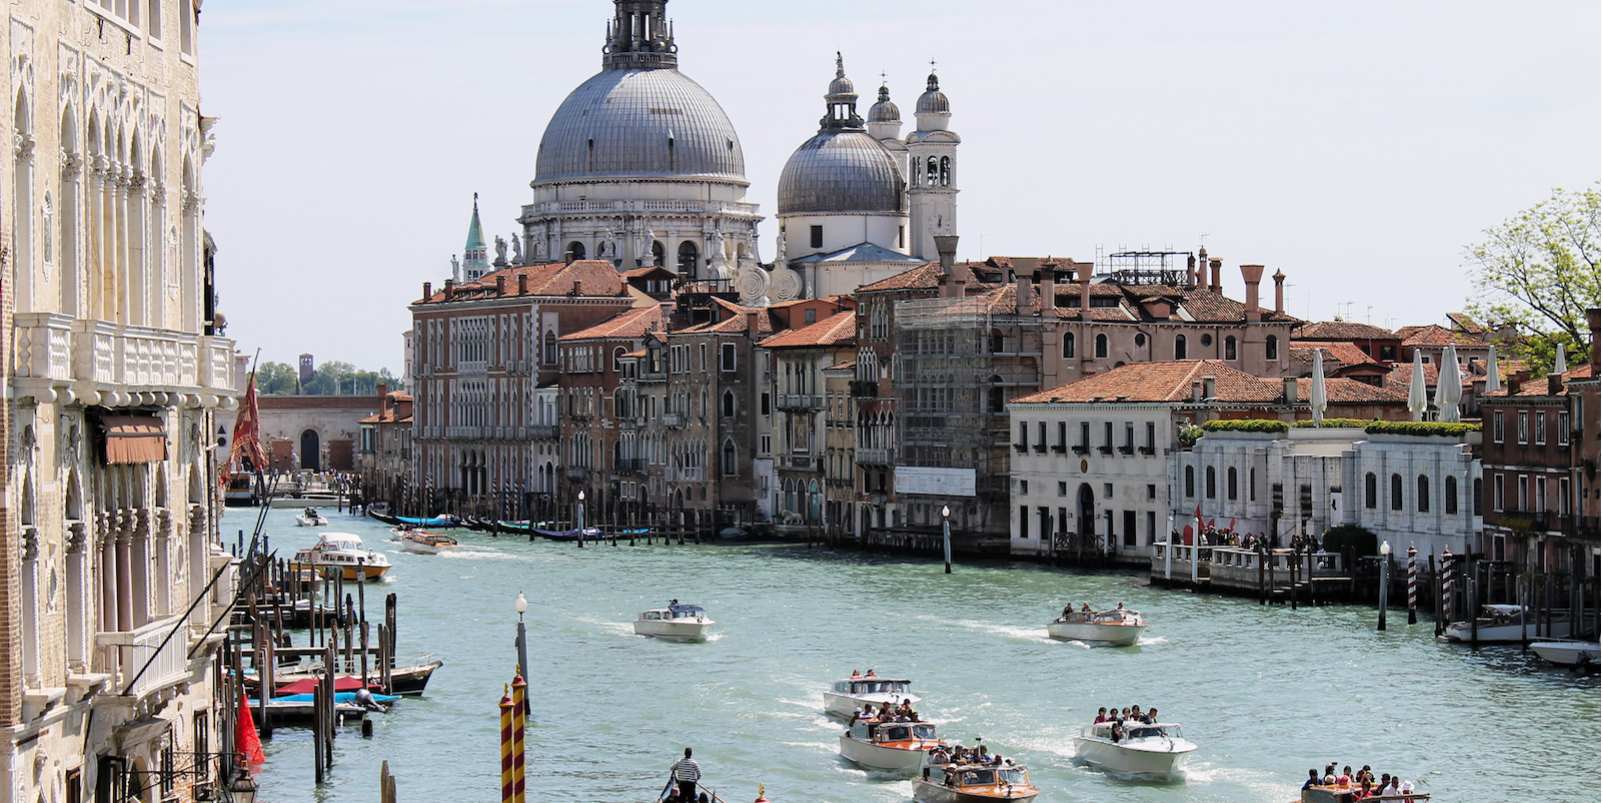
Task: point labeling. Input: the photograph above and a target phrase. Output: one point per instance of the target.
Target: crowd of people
(1121, 717)
(886, 713)
(1085, 607)
(1360, 785)
(959, 756)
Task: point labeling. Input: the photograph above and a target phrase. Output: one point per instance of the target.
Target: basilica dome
(840, 171)
(639, 122)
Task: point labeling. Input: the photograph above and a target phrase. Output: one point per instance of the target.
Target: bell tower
(932, 172)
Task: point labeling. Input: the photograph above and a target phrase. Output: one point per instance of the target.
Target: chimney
(946, 247)
(1024, 302)
(1290, 385)
(1555, 385)
(1209, 387)
(1200, 281)
(942, 289)
(1280, 292)
(1191, 269)
(1049, 293)
(1085, 289)
(450, 289)
(1252, 274)
(500, 284)
(383, 397)
(428, 290)
(523, 284)
(1196, 391)
(567, 258)
(1215, 265)
(1595, 324)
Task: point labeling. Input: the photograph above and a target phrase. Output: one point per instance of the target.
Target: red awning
(134, 439)
(306, 685)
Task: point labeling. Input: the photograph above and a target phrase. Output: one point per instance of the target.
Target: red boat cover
(307, 685)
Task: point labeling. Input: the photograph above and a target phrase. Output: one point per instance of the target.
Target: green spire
(475, 233)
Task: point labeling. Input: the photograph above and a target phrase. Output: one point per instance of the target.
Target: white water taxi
(1119, 627)
(311, 518)
(1501, 624)
(848, 696)
(424, 542)
(1139, 749)
(895, 746)
(947, 782)
(345, 552)
(674, 623)
(1568, 653)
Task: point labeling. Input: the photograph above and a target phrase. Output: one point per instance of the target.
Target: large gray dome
(639, 123)
(840, 171)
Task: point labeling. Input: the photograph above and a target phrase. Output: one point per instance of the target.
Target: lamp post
(521, 605)
(243, 788)
(1385, 558)
(946, 535)
(579, 514)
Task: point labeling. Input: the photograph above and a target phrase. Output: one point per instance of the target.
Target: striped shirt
(686, 769)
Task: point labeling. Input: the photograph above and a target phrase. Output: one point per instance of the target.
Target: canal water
(1266, 693)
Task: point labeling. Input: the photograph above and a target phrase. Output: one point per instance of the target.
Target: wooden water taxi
(846, 697)
(423, 542)
(1120, 627)
(1134, 748)
(674, 623)
(973, 783)
(345, 552)
(894, 746)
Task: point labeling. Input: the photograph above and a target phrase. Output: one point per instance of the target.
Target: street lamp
(521, 604)
(242, 789)
(946, 535)
(1385, 558)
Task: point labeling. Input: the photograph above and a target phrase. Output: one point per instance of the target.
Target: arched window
(729, 404)
(946, 171)
(932, 172)
(1102, 347)
(1424, 493)
(1191, 482)
(617, 359)
(550, 348)
(1230, 347)
(1211, 484)
(729, 461)
(1271, 348)
(1068, 345)
(1230, 483)
(1179, 347)
(1450, 495)
(998, 399)
(577, 249)
(688, 258)
(1396, 492)
(1370, 490)
(659, 255)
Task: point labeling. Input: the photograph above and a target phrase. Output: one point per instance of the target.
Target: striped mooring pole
(520, 691)
(506, 749)
(1445, 611)
(1412, 618)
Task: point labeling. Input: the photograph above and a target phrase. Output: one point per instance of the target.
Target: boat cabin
(673, 612)
(968, 775)
(858, 687)
(881, 732)
(1133, 731)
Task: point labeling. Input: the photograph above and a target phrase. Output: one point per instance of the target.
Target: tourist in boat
(1068, 609)
(1313, 779)
(686, 772)
(870, 674)
(1101, 716)
(1116, 733)
(1085, 607)
(856, 674)
(1152, 716)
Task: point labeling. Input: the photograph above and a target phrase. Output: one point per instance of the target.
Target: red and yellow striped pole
(1412, 618)
(520, 691)
(507, 785)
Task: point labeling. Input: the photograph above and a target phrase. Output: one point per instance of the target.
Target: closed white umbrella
(1560, 365)
(1492, 381)
(1416, 390)
(1449, 387)
(1316, 396)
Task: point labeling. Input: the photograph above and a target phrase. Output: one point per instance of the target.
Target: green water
(1266, 693)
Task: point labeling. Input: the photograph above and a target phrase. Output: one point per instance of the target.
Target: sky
(1357, 146)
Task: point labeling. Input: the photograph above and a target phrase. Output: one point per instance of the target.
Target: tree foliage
(329, 379)
(275, 379)
(1538, 270)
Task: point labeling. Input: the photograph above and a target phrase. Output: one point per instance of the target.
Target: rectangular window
(1523, 488)
(1564, 429)
(1024, 487)
(1541, 427)
(1040, 431)
(1024, 517)
(1129, 528)
(1541, 495)
(726, 357)
(1024, 437)
(1524, 431)
(1152, 437)
(1063, 519)
(1107, 490)
(154, 19)
(1152, 491)
(1085, 436)
(1497, 492)
(1063, 488)
(1063, 437)
(186, 27)
(764, 404)
(815, 237)
(1564, 497)
(1152, 528)
(1497, 426)
(701, 365)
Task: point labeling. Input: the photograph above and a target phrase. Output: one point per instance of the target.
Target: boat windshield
(924, 732)
(682, 611)
(879, 687)
(977, 777)
(900, 733)
(1013, 776)
(1155, 732)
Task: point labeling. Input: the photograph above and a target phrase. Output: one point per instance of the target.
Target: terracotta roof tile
(586, 277)
(836, 330)
(629, 324)
(1338, 353)
(1433, 335)
(924, 277)
(1341, 330)
(1162, 382)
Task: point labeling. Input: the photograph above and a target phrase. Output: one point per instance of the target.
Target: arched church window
(931, 172)
(946, 171)
(577, 249)
(688, 255)
(1179, 347)
(1271, 348)
(1230, 347)
(550, 348)
(1068, 345)
(1101, 347)
(659, 255)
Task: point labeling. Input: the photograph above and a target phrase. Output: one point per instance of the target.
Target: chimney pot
(1196, 391)
(1209, 387)
(428, 290)
(500, 284)
(450, 289)
(1049, 293)
(1289, 384)
(1214, 266)
(1252, 275)
(567, 258)
(523, 284)
(1280, 292)
(1084, 269)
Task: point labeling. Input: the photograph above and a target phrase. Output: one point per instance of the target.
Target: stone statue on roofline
(500, 251)
(517, 249)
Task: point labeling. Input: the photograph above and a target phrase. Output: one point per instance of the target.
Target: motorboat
(893, 746)
(311, 518)
(299, 709)
(1501, 624)
(846, 697)
(1344, 793)
(1140, 749)
(941, 781)
(433, 521)
(1119, 627)
(345, 552)
(1567, 653)
(424, 542)
(674, 623)
(408, 677)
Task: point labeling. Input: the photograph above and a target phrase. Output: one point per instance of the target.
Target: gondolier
(686, 772)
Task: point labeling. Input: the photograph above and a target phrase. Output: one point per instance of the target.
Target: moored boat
(343, 551)
(846, 697)
(1501, 624)
(299, 709)
(408, 678)
(1119, 627)
(589, 534)
(1133, 747)
(893, 746)
(963, 782)
(1568, 653)
(424, 542)
(676, 622)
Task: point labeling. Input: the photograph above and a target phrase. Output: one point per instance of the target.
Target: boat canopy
(685, 609)
(339, 539)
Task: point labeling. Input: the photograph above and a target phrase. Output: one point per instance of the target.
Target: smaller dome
(884, 111)
(840, 172)
(934, 101)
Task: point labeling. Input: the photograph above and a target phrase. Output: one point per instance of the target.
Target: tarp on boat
(306, 685)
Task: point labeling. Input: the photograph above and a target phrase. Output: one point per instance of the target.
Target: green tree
(327, 378)
(1538, 271)
(275, 379)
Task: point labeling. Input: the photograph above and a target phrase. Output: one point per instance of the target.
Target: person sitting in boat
(1085, 607)
(905, 708)
(856, 674)
(870, 674)
(1067, 609)
(1313, 779)
(1152, 716)
(1116, 733)
(1101, 716)
(951, 775)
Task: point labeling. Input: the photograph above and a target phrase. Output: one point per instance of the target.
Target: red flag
(1211, 521)
(1232, 525)
(247, 431)
(246, 741)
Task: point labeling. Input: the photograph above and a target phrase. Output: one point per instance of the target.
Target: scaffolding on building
(1128, 268)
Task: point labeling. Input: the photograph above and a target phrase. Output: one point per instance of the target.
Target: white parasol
(1316, 396)
(1416, 390)
(1492, 381)
(1449, 387)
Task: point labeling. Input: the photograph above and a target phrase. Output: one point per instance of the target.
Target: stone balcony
(66, 360)
(139, 660)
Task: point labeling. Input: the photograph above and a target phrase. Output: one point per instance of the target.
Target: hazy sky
(1358, 146)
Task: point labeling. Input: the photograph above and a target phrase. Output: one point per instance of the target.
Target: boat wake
(1021, 633)
(1148, 641)
(476, 554)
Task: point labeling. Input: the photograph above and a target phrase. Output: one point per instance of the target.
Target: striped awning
(134, 439)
